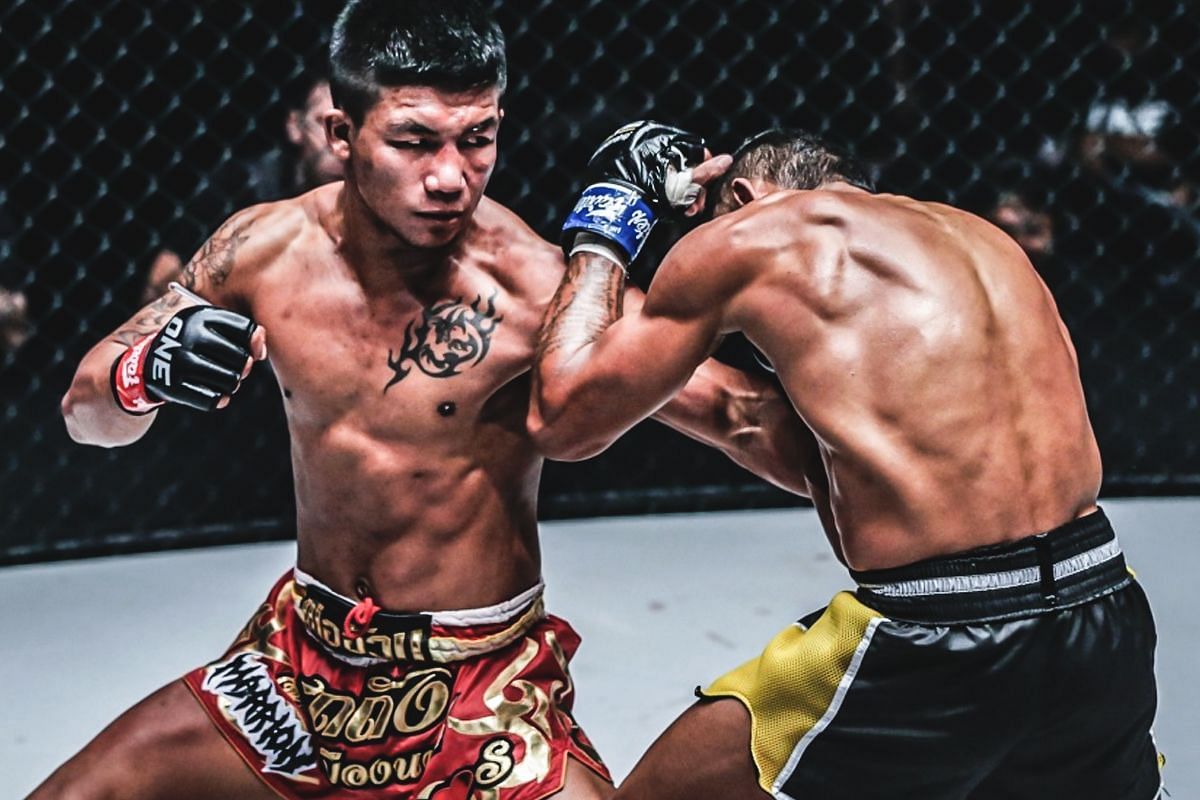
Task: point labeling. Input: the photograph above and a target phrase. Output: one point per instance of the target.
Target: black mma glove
(644, 172)
(194, 360)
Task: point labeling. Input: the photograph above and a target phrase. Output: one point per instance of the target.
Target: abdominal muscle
(414, 527)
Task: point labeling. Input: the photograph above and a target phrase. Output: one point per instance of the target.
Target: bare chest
(399, 369)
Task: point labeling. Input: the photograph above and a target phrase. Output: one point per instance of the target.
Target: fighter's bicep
(651, 356)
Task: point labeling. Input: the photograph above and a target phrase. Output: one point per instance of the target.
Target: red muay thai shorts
(455, 705)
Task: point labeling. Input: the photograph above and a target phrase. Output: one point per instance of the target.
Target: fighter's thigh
(163, 747)
(705, 754)
(583, 784)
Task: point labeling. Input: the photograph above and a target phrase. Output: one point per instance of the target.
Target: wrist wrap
(614, 211)
(128, 381)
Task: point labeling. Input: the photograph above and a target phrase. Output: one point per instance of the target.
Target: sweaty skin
(915, 341)
(404, 361)
(400, 310)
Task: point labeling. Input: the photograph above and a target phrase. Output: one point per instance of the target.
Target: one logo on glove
(449, 337)
(160, 370)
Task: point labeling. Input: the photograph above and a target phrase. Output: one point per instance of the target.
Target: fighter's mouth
(441, 216)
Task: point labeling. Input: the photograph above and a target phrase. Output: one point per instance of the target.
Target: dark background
(116, 116)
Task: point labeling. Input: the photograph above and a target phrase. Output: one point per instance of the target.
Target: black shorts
(1023, 670)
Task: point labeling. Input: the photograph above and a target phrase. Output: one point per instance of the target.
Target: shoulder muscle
(222, 270)
(529, 265)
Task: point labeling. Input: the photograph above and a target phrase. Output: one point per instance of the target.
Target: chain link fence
(129, 130)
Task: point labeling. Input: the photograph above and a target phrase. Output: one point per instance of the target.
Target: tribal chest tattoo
(448, 337)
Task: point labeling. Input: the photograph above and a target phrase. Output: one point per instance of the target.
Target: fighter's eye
(478, 141)
(412, 144)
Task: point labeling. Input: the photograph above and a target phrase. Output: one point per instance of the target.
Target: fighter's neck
(381, 259)
(842, 186)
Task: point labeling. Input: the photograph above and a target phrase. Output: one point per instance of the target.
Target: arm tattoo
(152, 318)
(590, 298)
(215, 260)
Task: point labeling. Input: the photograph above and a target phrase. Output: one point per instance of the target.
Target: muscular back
(928, 359)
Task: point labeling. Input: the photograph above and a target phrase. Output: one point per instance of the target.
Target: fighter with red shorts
(409, 654)
(321, 699)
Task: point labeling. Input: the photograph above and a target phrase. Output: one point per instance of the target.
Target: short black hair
(793, 159)
(453, 45)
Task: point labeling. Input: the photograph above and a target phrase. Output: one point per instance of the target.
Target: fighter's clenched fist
(198, 358)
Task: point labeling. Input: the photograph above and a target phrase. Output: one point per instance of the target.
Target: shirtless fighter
(996, 645)
(409, 654)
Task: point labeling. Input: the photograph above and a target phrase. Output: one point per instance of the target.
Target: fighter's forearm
(774, 443)
(588, 301)
(89, 407)
(749, 419)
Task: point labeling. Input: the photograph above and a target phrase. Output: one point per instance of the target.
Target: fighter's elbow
(74, 417)
(564, 450)
(70, 417)
(74, 411)
(86, 424)
(559, 435)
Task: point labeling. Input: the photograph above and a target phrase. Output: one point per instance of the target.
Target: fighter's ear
(743, 191)
(338, 126)
(291, 126)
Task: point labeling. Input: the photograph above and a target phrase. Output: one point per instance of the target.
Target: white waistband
(993, 581)
(500, 612)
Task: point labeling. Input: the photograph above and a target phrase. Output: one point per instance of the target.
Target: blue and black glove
(643, 172)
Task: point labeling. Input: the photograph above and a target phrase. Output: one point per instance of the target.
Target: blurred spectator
(1031, 227)
(1016, 198)
(1132, 119)
(14, 320)
(307, 162)
(1130, 206)
(14, 309)
(1019, 203)
(303, 163)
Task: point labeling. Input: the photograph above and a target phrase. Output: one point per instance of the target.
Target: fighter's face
(422, 158)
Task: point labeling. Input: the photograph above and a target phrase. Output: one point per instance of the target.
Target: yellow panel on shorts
(789, 687)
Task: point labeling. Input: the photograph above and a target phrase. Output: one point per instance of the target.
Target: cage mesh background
(116, 119)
